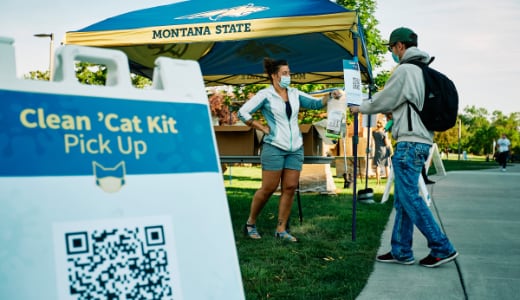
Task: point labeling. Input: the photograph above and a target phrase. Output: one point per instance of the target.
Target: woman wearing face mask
(282, 149)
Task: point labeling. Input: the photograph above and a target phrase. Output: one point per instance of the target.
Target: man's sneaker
(432, 262)
(389, 258)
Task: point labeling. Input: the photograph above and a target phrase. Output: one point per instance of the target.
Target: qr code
(118, 263)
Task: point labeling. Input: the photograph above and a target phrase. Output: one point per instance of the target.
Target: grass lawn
(476, 163)
(327, 263)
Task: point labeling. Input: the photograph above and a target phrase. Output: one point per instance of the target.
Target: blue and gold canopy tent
(230, 38)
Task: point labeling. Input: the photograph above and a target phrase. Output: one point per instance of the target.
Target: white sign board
(352, 77)
(112, 191)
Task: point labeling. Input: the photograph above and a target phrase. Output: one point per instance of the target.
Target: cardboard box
(317, 178)
(312, 142)
(243, 140)
(236, 140)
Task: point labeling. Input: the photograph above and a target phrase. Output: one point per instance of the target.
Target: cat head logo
(237, 11)
(110, 180)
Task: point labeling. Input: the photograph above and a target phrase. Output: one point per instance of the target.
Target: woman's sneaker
(389, 258)
(432, 262)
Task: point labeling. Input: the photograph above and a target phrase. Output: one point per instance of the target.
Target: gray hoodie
(405, 84)
(284, 132)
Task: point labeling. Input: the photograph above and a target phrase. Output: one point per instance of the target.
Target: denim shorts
(275, 159)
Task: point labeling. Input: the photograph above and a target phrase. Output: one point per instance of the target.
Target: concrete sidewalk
(480, 213)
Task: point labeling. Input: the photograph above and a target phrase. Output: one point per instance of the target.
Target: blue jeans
(410, 208)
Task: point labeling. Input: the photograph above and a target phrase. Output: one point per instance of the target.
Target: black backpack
(441, 100)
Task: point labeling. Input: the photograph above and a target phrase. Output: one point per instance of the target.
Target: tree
(478, 132)
(381, 79)
(38, 75)
(139, 81)
(482, 129)
(375, 43)
(92, 74)
(510, 125)
(449, 138)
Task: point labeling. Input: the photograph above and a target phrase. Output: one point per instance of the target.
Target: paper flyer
(336, 117)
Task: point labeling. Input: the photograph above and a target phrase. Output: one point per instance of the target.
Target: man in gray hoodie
(412, 149)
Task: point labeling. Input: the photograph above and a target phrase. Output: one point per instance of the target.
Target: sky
(475, 42)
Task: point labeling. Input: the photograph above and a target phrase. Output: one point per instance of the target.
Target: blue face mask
(395, 57)
(285, 81)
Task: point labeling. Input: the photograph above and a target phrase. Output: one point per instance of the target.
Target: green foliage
(241, 93)
(92, 74)
(374, 41)
(140, 82)
(38, 75)
(381, 79)
(366, 10)
(480, 129)
(448, 139)
(474, 164)
(311, 116)
(244, 92)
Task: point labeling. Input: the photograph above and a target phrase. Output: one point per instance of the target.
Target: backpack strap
(410, 113)
(421, 65)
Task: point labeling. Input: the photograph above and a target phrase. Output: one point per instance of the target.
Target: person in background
(282, 149)
(503, 145)
(383, 150)
(411, 151)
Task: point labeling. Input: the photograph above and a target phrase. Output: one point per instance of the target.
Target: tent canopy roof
(230, 38)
